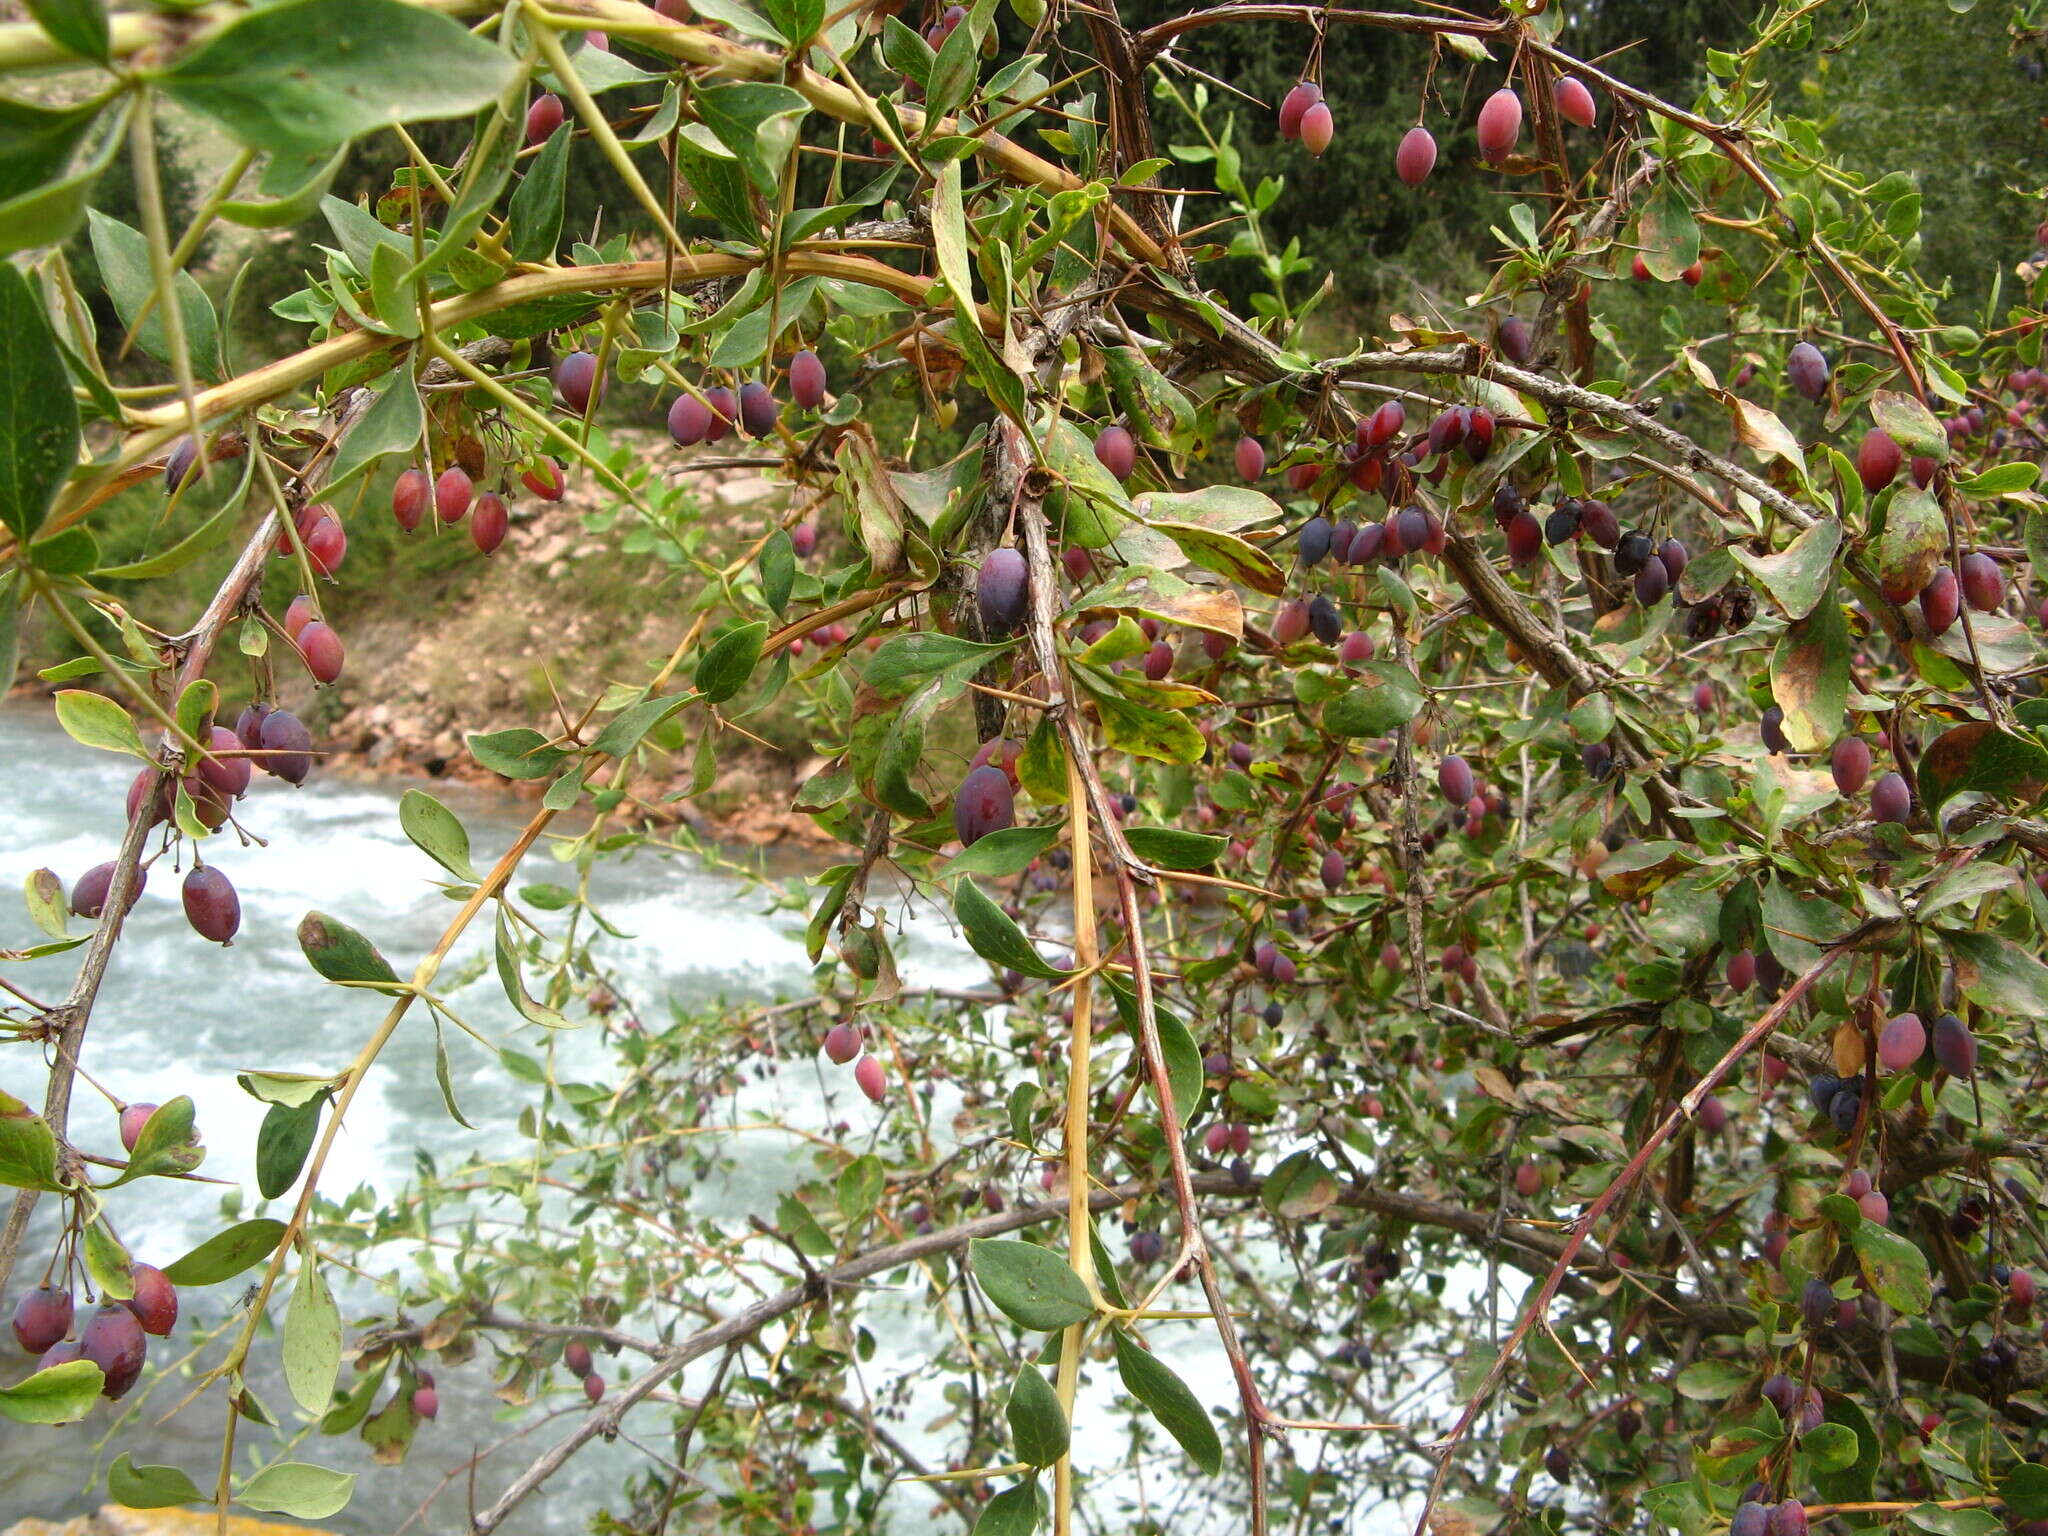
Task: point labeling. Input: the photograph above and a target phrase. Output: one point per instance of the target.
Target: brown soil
(547, 617)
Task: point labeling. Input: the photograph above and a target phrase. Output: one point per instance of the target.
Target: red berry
(488, 521)
(426, 1402)
(155, 1302)
(321, 647)
(1983, 582)
(1116, 451)
(807, 380)
(451, 494)
(576, 1356)
(1416, 157)
(1877, 460)
(1500, 124)
(114, 1341)
(543, 118)
(543, 477)
(869, 1076)
(41, 1318)
(1251, 459)
(1294, 104)
(1317, 128)
(211, 905)
(759, 409)
(326, 546)
(1574, 101)
(1851, 765)
(1940, 600)
(133, 1118)
(577, 381)
(409, 498)
(1901, 1042)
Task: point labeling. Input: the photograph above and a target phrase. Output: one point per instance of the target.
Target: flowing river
(179, 1016)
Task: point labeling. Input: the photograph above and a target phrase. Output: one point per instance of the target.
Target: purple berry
(211, 905)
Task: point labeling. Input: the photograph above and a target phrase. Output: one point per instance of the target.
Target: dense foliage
(1504, 855)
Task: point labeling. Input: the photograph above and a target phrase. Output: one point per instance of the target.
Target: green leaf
(340, 953)
(394, 423)
(298, 1488)
(1998, 974)
(1711, 1381)
(1013, 1512)
(48, 907)
(437, 832)
(391, 295)
(2024, 1491)
(1832, 1447)
(1810, 675)
(71, 552)
(1798, 575)
(1375, 708)
(1978, 756)
(1895, 1268)
(168, 1143)
(994, 937)
(28, 1150)
(1165, 734)
(494, 144)
(507, 959)
(307, 75)
(60, 1395)
(226, 1254)
(901, 751)
(136, 1487)
(123, 255)
(860, 1186)
(108, 1262)
(282, 1142)
(181, 554)
(778, 567)
(903, 662)
(1171, 848)
(1999, 480)
(1910, 424)
(1914, 541)
(520, 753)
(312, 1341)
(1152, 1382)
(623, 732)
(535, 215)
(758, 122)
(94, 720)
(1038, 1425)
(76, 26)
(38, 417)
(906, 52)
(292, 186)
(1229, 556)
(290, 1089)
(442, 1078)
(724, 669)
(1004, 853)
(41, 202)
(1030, 1285)
(1670, 236)
(721, 186)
